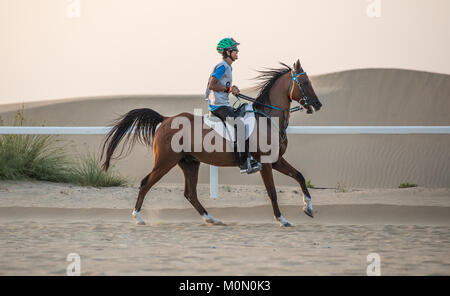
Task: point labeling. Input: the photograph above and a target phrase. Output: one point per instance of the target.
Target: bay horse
(279, 87)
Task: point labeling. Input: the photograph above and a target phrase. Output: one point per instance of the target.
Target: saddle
(227, 131)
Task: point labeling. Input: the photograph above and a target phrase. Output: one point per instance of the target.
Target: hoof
(308, 211)
(211, 220)
(137, 216)
(283, 222)
(215, 222)
(286, 225)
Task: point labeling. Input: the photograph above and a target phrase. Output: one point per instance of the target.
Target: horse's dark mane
(268, 78)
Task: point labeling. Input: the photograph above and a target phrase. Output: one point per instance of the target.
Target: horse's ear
(297, 66)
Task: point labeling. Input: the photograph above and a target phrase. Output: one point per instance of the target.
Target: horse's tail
(142, 121)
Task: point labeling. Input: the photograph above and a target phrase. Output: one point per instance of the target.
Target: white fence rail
(214, 171)
(54, 130)
(359, 130)
(306, 130)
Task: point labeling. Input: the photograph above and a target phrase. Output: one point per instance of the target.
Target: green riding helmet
(227, 43)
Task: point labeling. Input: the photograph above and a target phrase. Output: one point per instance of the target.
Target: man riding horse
(278, 89)
(217, 92)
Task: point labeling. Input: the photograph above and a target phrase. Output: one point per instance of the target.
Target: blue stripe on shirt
(218, 73)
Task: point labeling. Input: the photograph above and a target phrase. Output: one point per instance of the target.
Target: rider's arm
(215, 86)
(215, 77)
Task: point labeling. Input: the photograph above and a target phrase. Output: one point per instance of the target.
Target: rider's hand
(235, 90)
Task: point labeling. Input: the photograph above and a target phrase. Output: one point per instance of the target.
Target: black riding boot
(247, 163)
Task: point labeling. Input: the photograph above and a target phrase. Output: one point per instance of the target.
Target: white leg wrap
(307, 206)
(283, 221)
(307, 202)
(211, 220)
(137, 216)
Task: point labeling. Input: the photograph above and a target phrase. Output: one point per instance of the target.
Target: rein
(283, 131)
(293, 109)
(291, 91)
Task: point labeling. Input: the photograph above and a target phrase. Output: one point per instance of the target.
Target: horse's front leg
(285, 168)
(266, 174)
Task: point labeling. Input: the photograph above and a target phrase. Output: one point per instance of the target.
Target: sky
(50, 49)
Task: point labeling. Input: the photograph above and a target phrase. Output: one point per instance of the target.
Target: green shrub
(88, 172)
(38, 157)
(309, 185)
(342, 188)
(31, 156)
(407, 185)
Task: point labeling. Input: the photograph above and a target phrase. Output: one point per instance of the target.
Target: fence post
(213, 181)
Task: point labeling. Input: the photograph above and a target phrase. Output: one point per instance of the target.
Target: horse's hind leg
(162, 167)
(190, 169)
(285, 168)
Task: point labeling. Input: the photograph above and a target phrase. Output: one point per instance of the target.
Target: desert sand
(42, 222)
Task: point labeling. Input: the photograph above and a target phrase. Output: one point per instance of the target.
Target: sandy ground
(41, 223)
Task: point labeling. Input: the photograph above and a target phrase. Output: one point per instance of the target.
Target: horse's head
(301, 89)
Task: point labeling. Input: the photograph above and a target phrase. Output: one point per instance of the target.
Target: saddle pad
(216, 124)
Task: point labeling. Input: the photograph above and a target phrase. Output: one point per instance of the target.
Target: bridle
(300, 85)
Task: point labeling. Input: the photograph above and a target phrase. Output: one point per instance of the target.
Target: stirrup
(252, 166)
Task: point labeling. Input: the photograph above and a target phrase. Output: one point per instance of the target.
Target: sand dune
(357, 97)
